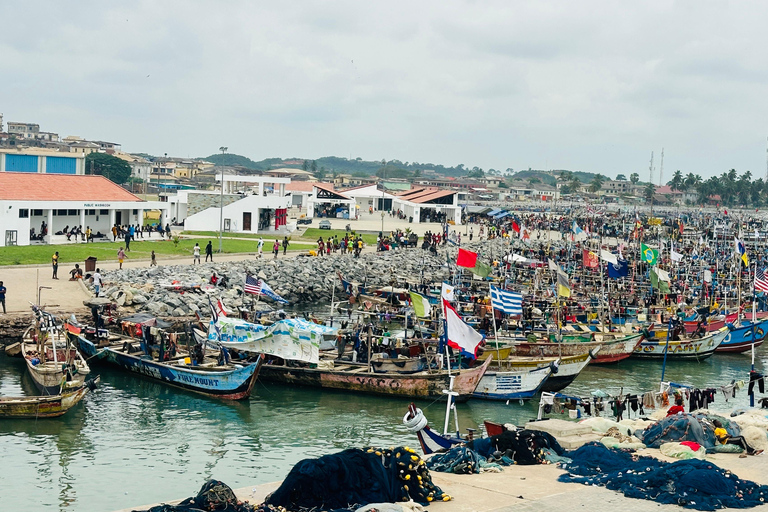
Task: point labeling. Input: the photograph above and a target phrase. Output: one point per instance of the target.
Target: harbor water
(134, 441)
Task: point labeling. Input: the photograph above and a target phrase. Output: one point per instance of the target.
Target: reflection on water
(134, 441)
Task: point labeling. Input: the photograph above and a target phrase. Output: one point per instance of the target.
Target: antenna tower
(650, 167)
(661, 169)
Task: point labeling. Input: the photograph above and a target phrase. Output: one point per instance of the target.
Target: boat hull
(49, 377)
(740, 339)
(683, 349)
(564, 370)
(418, 385)
(512, 385)
(41, 406)
(613, 351)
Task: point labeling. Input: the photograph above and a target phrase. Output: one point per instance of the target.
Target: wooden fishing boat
(616, 347)
(512, 383)
(688, 348)
(564, 369)
(52, 361)
(226, 381)
(740, 338)
(428, 384)
(49, 406)
(613, 347)
(712, 325)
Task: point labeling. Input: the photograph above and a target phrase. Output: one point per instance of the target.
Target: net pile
(690, 483)
(214, 495)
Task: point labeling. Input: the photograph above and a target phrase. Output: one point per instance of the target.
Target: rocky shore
(175, 290)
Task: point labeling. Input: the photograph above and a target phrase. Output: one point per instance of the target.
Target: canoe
(357, 379)
(740, 338)
(564, 369)
(616, 347)
(59, 366)
(689, 348)
(49, 406)
(228, 382)
(512, 384)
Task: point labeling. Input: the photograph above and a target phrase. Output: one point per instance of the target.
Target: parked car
(305, 220)
(325, 224)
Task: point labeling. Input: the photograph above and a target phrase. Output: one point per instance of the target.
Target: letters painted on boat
(697, 348)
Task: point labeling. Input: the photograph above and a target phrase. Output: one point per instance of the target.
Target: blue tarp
(500, 215)
(493, 212)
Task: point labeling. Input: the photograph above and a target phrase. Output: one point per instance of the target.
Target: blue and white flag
(576, 228)
(259, 287)
(508, 302)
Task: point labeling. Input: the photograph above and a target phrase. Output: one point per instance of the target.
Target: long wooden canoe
(49, 406)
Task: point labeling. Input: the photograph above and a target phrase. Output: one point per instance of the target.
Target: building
(41, 160)
(429, 205)
(27, 200)
(665, 194)
(24, 130)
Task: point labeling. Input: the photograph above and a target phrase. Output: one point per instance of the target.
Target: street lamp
(223, 150)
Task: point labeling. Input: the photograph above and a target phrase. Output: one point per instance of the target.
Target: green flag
(481, 269)
(421, 305)
(648, 255)
(657, 283)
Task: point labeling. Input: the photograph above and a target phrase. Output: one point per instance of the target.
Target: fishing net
(525, 447)
(686, 427)
(463, 461)
(214, 495)
(690, 483)
(354, 478)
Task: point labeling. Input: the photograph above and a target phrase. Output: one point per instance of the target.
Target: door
(118, 217)
(246, 221)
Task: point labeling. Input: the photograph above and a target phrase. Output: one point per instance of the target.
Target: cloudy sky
(593, 86)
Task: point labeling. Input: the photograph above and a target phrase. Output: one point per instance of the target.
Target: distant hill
(550, 177)
(230, 159)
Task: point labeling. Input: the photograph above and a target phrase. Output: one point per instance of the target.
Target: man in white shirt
(97, 281)
(261, 246)
(196, 254)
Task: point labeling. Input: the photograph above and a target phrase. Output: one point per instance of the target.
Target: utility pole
(661, 169)
(650, 169)
(223, 150)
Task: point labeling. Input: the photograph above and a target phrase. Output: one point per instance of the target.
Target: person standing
(114, 232)
(153, 261)
(209, 252)
(120, 257)
(196, 254)
(285, 245)
(96, 281)
(261, 246)
(276, 248)
(55, 264)
(127, 240)
(2, 295)
(88, 233)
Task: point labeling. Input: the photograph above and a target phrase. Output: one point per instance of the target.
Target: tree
(533, 180)
(574, 185)
(621, 177)
(677, 182)
(313, 166)
(476, 172)
(649, 191)
(305, 166)
(597, 183)
(109, 166)
(634, 178)
(320, 174)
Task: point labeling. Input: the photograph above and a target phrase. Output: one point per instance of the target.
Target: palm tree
(677, 181)
(691, 181)
(634, 178)
(649, 191)
(574, 184)
(597, 183)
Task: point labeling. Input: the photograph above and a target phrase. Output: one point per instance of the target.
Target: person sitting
(214, 279)
(76, 273)
(677, 408)
(724, 438)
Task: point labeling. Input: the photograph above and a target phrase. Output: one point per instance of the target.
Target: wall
(9, 220)
(208, 220)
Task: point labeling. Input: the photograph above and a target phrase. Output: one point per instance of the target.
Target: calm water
(134, 442)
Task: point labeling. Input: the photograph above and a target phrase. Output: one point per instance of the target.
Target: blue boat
(228, 381)
(739, 339)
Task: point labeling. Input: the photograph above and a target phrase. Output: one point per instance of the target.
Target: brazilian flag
(648, 255)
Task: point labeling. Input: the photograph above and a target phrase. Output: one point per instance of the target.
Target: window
(103, 212)
(37, 213)
(60, 212)
(11, 237)
(24, 213)
(135, 212)
(72, 212)
(90, 212)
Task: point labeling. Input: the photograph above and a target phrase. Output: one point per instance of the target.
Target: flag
(648, 255)
(259, 287)
(674, 255)
(618, 269)
(741, 251)
(609, 257)
(466, 258)
(459, 335)
(421, 305)
(515, 227)
(761, 282)
(563, 286)
(220, 309)
(553, 266)
(576, 228)
(589, 259)
(707, 276)
(657, 281)
(251, 285)
(507, 302)
(447, 292)
(481, 269)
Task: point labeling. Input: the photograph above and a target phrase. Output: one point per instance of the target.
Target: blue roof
(493, 212)
(500, 215)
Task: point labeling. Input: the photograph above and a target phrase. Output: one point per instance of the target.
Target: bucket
(573, 414)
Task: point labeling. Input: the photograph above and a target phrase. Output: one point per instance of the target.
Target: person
(96, 281)
(76, 273)
(208, 251)
(2, 295)
(120, 257)
(55, 264)
(678, 407)
(127, 240)
(153, 261)
(88, 233)
(724, 438)
(196, 254)
(261, 246)
(276, 248)
(114, 232)
(285, 245)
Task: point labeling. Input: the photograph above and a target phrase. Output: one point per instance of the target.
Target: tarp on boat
(292, 339)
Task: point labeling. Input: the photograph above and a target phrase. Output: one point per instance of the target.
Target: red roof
(304, 186)
(22, 186)
(423, 195)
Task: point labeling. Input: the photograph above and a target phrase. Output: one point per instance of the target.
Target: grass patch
(76, 253)
(215, 234)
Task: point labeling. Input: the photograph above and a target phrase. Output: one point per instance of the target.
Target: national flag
(675, 256)
(421, 305)
(619, 269)
(682, 227)
(251, 285)
(481, 269)
(761, 282)
(741, 251)
(220, 309)
(553, 266)
(259, 287)
(515, 227)
(657, 280)
(447, 292)
(507, 302)
(609, 257)
(648, 255)
(576, 228)
(466, 258)
(589, 259)
(563, 285)
(459, 335)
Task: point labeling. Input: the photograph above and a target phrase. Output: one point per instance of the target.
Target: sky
(589, 86)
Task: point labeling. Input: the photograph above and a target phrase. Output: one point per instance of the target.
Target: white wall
(208, 219)
(9, 221)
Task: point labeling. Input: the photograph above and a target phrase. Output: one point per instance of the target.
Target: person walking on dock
(153, 260)
(120, 257)
(2, 295)
(260, 246)
(209, 252)
(285, 245)
(196, 254)
(55, 264)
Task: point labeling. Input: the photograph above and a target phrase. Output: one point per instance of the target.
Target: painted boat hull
(48, 376)
(615, 350)
(418, 385)
(517, 384)
(740, 339)
(684, 349)
(41, 406)
(565, 369)
(234, 384)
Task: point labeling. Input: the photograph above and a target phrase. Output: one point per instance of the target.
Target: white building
(27, 200)
(429, 205)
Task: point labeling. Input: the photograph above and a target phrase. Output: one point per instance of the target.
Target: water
(135, 442)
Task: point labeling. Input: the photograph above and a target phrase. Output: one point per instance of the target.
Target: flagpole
(495, 331)
(754, 319)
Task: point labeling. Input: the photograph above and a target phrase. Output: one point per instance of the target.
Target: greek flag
(508, 302)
